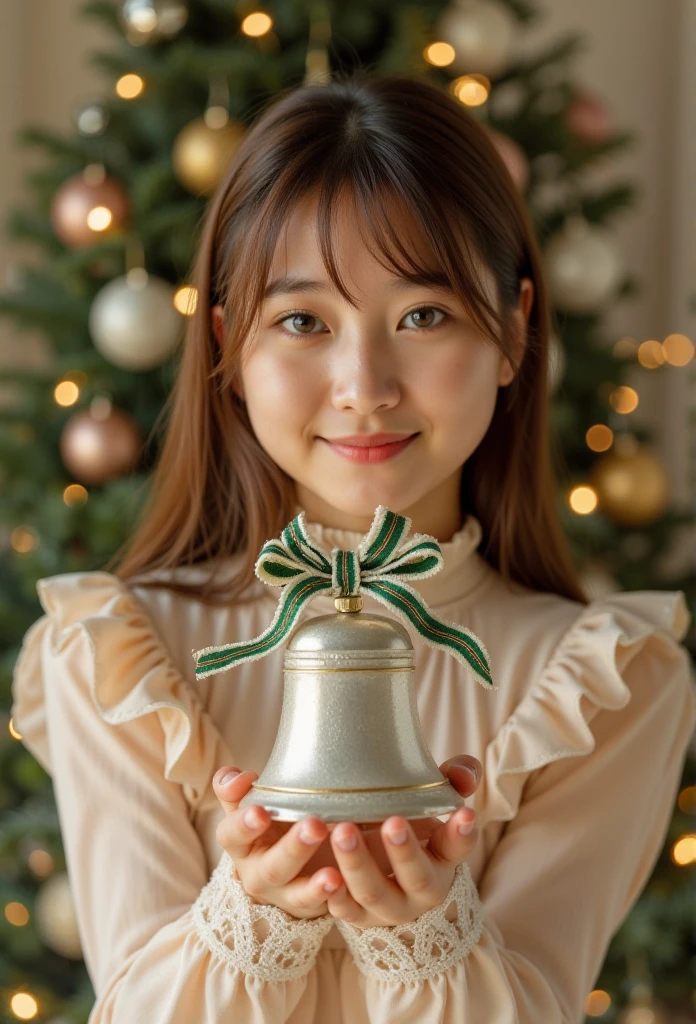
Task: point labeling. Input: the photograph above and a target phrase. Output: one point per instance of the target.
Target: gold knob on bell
(348, 604)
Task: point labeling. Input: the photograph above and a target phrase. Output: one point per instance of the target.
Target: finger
(365, 882)
(342, 905)
(235, 785)
(280, 863)
(451, 845)
(413, 869)
(464, 772)
(239, 830)
(311, 893)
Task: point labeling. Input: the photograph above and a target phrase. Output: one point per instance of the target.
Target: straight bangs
(400, 151)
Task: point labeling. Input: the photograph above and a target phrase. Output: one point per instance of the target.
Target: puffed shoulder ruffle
(552, 720)
(131, 674)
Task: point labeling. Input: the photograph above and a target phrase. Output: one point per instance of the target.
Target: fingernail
(464, 828)
(227, 777)
(346, 841)
(398, 837)
(307, 836)
(251, 818)
(468, 768)
(331, 887)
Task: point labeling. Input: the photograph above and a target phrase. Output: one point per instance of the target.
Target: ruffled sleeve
(131, 752)
(585, 773)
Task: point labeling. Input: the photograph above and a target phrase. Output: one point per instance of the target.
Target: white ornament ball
(482, 33)
(583, 266)
(55, 917)
(134, 322)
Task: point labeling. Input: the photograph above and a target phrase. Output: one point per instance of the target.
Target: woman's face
(408, 361)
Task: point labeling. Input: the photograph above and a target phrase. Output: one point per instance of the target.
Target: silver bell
(349, 745)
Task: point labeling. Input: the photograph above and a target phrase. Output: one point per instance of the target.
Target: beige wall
(639, 56)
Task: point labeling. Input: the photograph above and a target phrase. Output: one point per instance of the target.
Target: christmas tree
(116, 212)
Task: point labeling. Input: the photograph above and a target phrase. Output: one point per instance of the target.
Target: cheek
(280, 395)
(458, 388)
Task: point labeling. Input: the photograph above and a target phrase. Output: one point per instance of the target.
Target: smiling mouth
(370, 452)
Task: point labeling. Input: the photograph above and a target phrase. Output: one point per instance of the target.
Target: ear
(521, 318)
(217, 319)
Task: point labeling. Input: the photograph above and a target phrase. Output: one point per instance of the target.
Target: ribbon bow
(378, 566)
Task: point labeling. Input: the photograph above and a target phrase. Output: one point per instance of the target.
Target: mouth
(366, 451)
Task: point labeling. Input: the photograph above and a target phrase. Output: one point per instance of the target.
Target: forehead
(363, 252)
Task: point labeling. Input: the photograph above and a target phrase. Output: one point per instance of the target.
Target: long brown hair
(379, 139)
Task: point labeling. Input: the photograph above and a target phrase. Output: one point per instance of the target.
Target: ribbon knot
(381, 565)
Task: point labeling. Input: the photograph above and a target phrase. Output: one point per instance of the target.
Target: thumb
(464, 772)
(230, 784)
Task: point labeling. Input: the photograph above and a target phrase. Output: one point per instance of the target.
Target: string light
(41, 862)
(75, 494)
(624, 399)
(66, 393)
(99, 218)
(684, 850)
(599, 438)
(24, 1006)
(13, 731)
(678, 349)
(583, 500)
(687, 800)
(471, 90)
(439, 54)
(597, 1003)
(129, 87)
(17, 914)
(256, 24)
(625, 348)
(651, 355)
(23, 539)
(186, 299)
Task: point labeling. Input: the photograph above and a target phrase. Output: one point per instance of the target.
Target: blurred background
(117, 120)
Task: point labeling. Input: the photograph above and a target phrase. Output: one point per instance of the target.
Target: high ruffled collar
(463, 570)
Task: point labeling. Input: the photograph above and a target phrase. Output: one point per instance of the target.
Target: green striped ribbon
(380, 565)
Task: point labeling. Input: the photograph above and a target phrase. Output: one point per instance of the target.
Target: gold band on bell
(375, 789)
(348, 604)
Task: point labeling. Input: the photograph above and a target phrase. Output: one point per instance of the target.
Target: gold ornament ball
(201, 154)
(632, 486)
(96, 449)
(76, 198)
(55, 917)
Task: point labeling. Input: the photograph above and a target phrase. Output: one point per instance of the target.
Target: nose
(364, 375)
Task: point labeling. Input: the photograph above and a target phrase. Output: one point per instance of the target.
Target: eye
(424, 323)
(297, 316)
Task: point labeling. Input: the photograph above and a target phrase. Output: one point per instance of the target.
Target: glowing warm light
(41, 862)
(17, 914)
(583, 500)
(599, 438)
(686, 800)
(13, 732)
(471, 90)
(75, 494)
(597, 1003)
(678, 349)
(23, 539)
(129, 86)
(66, 393)
(24, 1006)
(186, 299)
(625, 348)
(99, 218)
(624, 399)
(439, 54)
(256, 24)
(651, 355)
(684, 850)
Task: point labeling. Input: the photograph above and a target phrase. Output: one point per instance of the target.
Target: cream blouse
(582, 747)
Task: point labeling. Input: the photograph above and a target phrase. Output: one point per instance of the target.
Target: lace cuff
(426, 946)
(262, 941)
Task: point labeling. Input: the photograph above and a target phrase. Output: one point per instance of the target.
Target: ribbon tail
(294, 596)
(461, 643)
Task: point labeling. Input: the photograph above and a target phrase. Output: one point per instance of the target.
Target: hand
(422, 876)
(268, 855)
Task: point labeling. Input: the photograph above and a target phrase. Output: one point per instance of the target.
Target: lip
(370, 447)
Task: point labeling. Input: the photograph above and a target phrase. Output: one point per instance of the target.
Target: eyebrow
(291, 283)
